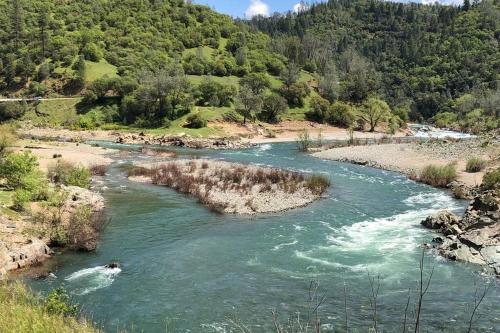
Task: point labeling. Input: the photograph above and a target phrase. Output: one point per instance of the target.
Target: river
(187, 269)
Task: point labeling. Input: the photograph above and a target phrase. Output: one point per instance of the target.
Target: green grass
(207, 51)
(53, 112)
(22, 312)
(96, 70)
(196, 79)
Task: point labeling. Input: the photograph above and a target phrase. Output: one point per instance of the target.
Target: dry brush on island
(235, 188)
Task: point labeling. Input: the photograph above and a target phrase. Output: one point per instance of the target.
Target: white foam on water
(279, 246)
(265, 147)
(94, 278)
(324, 262)
(388, 238)
(442, 134)
(439, 200)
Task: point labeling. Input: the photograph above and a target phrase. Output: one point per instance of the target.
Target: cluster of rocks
(183, 141)
(473, 238)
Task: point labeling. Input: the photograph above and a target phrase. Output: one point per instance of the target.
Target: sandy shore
(413, 157)
(232, 187)
(76, 153)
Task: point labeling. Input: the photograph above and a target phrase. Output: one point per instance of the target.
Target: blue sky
(249, 8)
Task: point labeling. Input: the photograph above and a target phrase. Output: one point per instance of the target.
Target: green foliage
(249, 104)
(317, 184)
(475, 164)
(318, 109)
(16, 167)
(212, 93)
(257, 82)
(7, 138)
(130, 37)
(68, 174)
(38, 89)
(11, 110)
(375, 111)
(274, 106)
(58, 303)
(295, 94)
(341, 114)
(439, 176)
(491, 179)
(20, 198)
(304, 141)
(28, 313)
(195, 121)
(424, 56)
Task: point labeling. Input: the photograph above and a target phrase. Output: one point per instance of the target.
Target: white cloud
(257, 7)
(300, 7)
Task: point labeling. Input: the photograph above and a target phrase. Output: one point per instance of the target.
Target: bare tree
(423, 287)
(478, 299)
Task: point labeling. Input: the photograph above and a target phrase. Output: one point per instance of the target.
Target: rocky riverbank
(235, 188)
(473, 238)
(25, 240)
(183, 141)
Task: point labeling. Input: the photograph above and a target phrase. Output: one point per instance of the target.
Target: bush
(11, 110)
(340, 114)
(58, 303)
(195, 121)
(15, 167)
(439, 176)
(304, 141)
(491, 179)
(273, 107)
(475, 164)
(20, 199)
(7, 138)
(70, 175)
(317, 184)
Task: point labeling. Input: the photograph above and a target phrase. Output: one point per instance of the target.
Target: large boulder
(444, 221)
(475, 237)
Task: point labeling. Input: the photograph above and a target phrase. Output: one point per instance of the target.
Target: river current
(187, 269)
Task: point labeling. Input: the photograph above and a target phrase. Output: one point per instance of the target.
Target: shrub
(341, 114)
(7, 138)
(304, 141)
(98, 170)
(491, 179)
(439, 176)
(195, 121)
(20, 199)
(11, 110)
(70, 175)
(58, 303)
(273, 107)
(475, 164)
(317, 184)
(15, 167)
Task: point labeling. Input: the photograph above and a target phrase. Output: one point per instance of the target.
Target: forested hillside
(430, 58)
(152, 63)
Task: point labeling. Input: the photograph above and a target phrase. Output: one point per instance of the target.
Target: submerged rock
(475, 237)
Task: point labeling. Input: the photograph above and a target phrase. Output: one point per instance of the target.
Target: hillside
(176, 66)
(427, 58)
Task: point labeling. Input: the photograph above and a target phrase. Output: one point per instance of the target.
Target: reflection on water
(184, 265)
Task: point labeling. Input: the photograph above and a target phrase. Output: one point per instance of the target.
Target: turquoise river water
(187, 269)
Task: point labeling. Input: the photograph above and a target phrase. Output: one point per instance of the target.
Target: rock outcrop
(183, 141)
(17, 248)
(473, 238)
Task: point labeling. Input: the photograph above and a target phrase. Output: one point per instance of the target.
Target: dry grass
(98, 170)
(212, 182)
